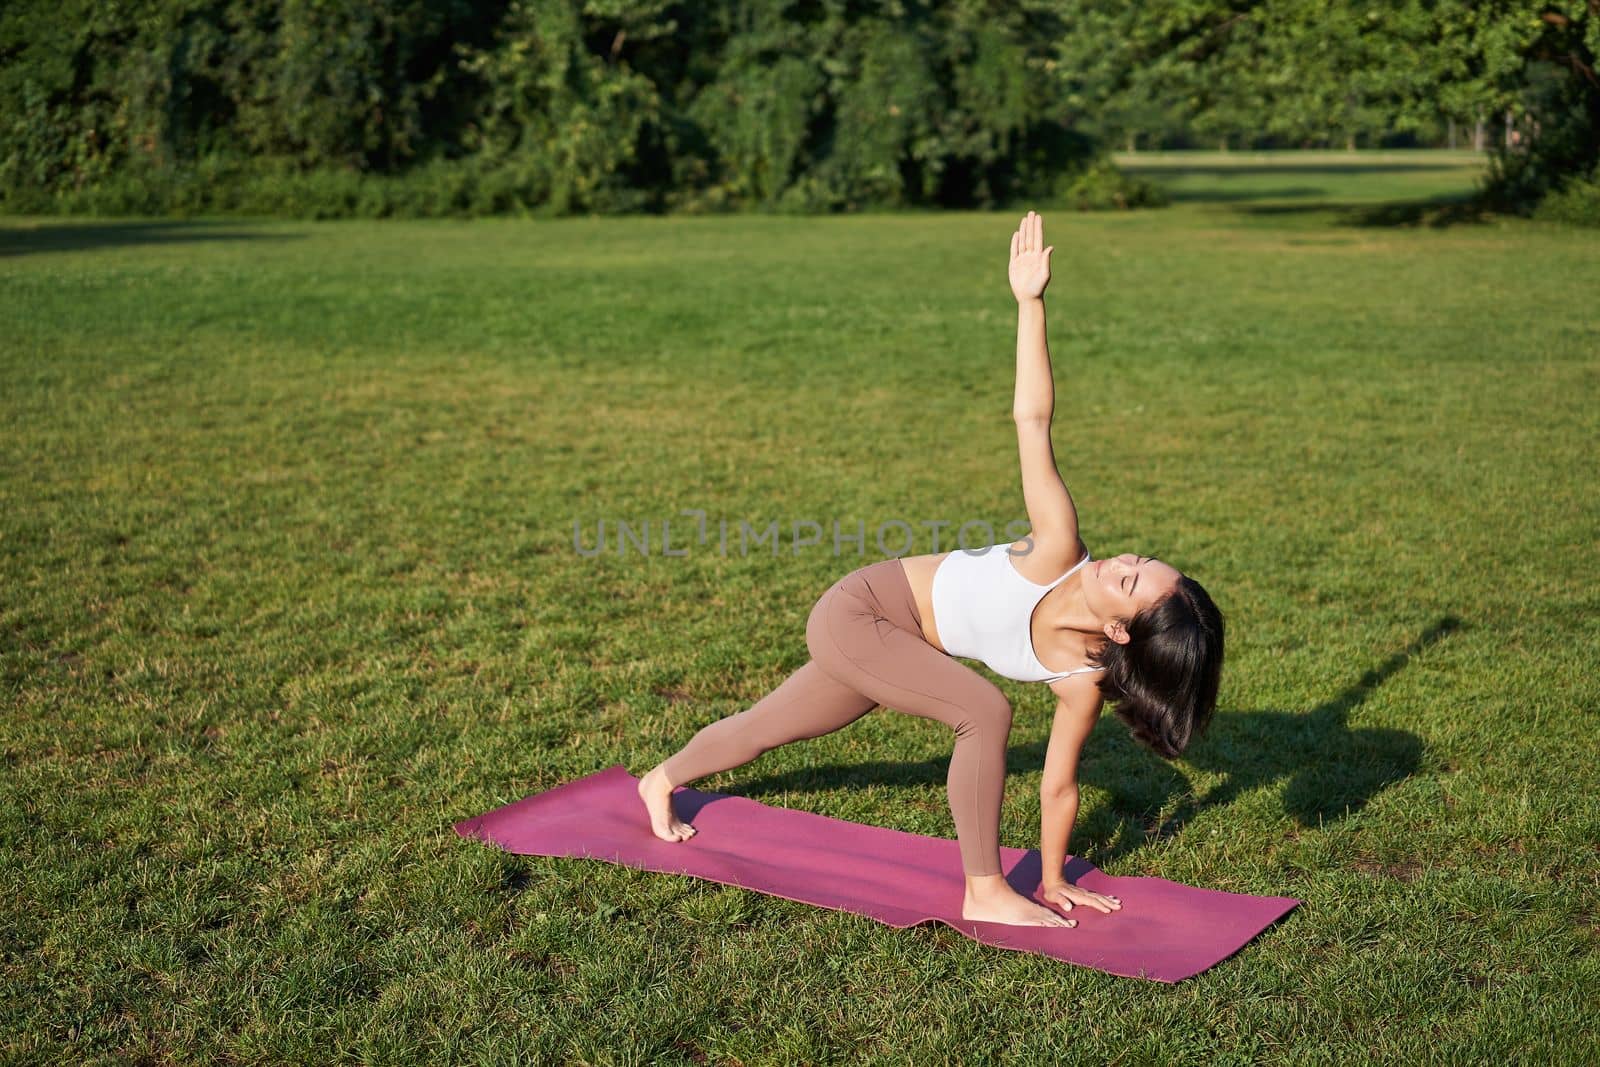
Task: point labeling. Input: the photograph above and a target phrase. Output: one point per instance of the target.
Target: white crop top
(983, 610)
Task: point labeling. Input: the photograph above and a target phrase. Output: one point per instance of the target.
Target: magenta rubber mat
(1166, 931)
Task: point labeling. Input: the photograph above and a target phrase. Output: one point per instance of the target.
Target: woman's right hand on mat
(1065, 895)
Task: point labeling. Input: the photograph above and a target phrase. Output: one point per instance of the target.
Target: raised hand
(1030, 259)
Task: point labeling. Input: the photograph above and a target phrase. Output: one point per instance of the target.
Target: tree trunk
(1478, 134)
(1452, 122)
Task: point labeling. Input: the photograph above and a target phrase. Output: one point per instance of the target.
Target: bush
(1577, 203)
(1100, 186)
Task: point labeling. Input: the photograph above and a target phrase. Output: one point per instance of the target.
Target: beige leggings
(867, 649)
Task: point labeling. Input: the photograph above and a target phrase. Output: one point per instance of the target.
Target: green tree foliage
(91, 92)
(565, 119)
(1556, 88)
(426, 106)
(756, 113)
(1346, 72)
(372, 106)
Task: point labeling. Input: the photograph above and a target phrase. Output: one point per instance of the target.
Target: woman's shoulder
(1081, 690)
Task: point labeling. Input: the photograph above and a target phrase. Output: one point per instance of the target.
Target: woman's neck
(1067, 608)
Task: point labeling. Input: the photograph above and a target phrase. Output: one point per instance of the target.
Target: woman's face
(1118, 588)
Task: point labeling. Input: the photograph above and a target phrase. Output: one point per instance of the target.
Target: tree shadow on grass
(27, 238)
(1434, 213)
(1228, 196)
(1331, 770)
(1308, 168)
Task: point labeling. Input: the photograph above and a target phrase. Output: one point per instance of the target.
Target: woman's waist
(919, 572)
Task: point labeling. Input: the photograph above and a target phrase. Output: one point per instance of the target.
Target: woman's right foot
(1012, 908)
(656, 792)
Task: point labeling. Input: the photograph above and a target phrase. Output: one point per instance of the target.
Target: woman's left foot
(656, 792)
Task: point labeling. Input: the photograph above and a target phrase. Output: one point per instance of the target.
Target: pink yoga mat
(1165, 931)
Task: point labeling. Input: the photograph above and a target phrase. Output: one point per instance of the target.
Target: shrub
(1100, 186)
(1577, 203)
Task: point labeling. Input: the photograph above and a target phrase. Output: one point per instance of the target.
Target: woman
(1130, 629)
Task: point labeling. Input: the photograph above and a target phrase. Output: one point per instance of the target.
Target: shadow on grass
(1229, 196)
(1286, 167)
(1433, 213)
(1331, 770)
(21, 240)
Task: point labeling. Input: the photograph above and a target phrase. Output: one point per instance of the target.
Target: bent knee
(989, 713)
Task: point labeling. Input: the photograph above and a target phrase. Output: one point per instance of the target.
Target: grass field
(291, 585)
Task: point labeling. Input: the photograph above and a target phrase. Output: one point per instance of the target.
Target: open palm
(1030, 259)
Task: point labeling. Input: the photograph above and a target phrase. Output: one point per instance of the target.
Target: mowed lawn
(287, 529)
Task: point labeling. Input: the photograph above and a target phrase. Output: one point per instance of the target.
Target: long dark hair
(1163, 682)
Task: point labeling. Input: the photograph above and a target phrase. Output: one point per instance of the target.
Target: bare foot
(1009, 906)
(656, 792)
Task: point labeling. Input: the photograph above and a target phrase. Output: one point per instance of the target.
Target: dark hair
(1163, 682)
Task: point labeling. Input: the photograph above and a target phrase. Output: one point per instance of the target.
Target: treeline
(443, 106)
(373, 107)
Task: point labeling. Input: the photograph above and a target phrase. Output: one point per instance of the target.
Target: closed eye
(1137, 563)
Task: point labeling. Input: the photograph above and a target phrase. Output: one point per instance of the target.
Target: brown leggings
(868, 649)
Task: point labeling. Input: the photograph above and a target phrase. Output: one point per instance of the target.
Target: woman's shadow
(1332, 770)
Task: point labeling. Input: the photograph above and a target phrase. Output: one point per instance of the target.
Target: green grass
(290, 586)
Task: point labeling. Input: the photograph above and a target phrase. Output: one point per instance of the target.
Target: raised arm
(1050, 509)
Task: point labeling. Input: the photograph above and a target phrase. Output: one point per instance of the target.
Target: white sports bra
(983, 609)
